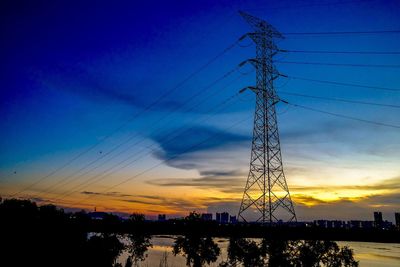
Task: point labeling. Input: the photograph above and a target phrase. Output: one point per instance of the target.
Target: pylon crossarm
(260, 25)
(259, 37)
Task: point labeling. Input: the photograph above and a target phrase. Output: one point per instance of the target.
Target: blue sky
(74, 72)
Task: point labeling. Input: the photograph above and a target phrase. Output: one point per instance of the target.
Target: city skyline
(72, 82)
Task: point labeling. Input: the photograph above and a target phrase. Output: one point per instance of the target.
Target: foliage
(103, 250)
(197, 250)
(137, 248)
(47, 236)
(136, 217)
(288, 253)
(193, 217)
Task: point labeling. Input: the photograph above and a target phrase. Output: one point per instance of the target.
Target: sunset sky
(79, 128)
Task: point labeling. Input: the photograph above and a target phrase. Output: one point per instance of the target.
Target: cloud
(230, 206)
(387, 184)
(347, 209)
(307, 200)
(226, 181)
(99, 87)
(392, 200)
(226, 185)
(183, 149)
(167, 204)
(335, 138)
(170, 204)
(108, 194)
(38, 200)
(79, 81)
(196, 138)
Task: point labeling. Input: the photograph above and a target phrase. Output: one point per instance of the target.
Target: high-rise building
(233, 219)
(397, 219)
(161, 217)
(320, 223)
(224, 217)
(378, 219)
(218, 217)
(206, 216)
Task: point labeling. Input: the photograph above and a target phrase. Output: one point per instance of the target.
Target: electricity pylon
(266, 197)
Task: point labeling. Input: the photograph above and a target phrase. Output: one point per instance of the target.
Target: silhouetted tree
(139, 242)
(136, 217)
(138, 246)
(245, 251)
(193, 217)
(103, 250)
(14, 210)
(315, 252)
(129, 262)
(288, 253)
(47, 236)
(196, 249)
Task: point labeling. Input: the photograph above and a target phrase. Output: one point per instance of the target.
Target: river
(367, 253)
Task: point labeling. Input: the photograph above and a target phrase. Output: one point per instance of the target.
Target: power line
(166, 139)
(308, 5)
(344, 116)
(161, 119)
(104, 174)
(341, 100)
(155, 130)
(343, 32)
(164, 161)
(345, 84)
(135, 116)
(341, 52)
(339, 64)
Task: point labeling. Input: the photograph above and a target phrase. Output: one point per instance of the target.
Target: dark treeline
(27, 213)
(47, 236)
(34, 235)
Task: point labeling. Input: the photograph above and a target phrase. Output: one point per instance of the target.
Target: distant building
(338, 224)
(206, 216)
(320, 223)
(232, 219)
(224, 217)
(397, 219)
(367, 224)
(97, 215)
(162, 217)
(378, 219)
(218, 217)
(387, 225)
(354, 224)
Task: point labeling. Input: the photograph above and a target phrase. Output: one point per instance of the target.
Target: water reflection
(196, 249)
(137, 248)
(246, 252)
(138, 243)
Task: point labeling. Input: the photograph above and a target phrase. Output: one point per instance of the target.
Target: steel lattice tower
(266, 196)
